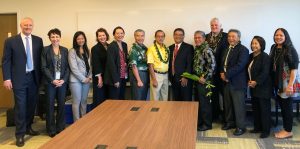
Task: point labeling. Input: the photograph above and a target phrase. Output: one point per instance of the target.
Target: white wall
(255, 17)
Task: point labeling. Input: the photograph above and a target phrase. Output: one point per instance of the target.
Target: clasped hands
(223, 77)
(58, 83)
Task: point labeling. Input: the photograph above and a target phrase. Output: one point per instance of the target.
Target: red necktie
(174, 57)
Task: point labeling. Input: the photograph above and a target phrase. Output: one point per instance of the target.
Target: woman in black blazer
(116, 71)
(99, 54)
(55, 68)
(260, 86)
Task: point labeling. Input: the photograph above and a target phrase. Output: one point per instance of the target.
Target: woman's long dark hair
(76, 46)
(287, 42)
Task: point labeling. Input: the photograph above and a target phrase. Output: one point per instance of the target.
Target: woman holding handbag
(284, 61)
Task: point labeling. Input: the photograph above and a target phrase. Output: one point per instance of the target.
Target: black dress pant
(181, 93)
(286, 106)
(261, 114)
(117, 92)
(204, 112)
(25, 104)
(99, 94)
(55, 124)
(217, 91)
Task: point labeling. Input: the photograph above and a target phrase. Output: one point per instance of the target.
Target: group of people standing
(218, 58)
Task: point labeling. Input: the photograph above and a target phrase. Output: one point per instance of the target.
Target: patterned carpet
(217, 138)
(212, 139)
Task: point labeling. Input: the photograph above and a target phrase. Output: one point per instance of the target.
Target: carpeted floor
(217, 138)
(212, 139)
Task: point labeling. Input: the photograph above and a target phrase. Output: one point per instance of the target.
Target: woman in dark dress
(99, 54)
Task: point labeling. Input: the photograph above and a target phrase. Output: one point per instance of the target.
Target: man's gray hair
(235, 31)
(216, 19)
(201, 33)
(139, 30)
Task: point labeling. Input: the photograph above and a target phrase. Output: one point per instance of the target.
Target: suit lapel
(52, 56)
(124, 50)
(231, 53)
(22, 47)
(180, 50)
(172, 48)
(256, 63)
(35, 48)
(62, 53)
(117, 48)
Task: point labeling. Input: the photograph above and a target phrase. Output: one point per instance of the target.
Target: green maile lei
(214, 44)
(159, 55)
(208, 85)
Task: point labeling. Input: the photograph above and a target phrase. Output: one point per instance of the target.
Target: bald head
(26, 26)
(215, 26)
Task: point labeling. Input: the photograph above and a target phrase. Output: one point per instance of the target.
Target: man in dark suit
(21, 73)
(181, 59)
(217, 40)
(233, 73)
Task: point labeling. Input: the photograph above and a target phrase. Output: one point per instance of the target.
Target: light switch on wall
(9, 34)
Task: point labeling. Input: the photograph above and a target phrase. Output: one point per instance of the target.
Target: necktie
(174, 57)
(225, 63)
(29, 59)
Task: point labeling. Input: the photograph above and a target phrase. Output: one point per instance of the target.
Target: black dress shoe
(20, 141)
(255, 131)
(31, 132)
(52, 135)
(203, 128)
(264, 135)
(239, 131)
(227, 127)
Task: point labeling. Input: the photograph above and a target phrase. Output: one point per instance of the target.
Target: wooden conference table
(131, 124)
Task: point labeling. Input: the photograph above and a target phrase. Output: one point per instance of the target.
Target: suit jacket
(77, 67)
(112, 70)
(221, 47)
(99, 55)
(236, 71)
(14, 60)
(183, 62)
(260, 72)
(48, 64)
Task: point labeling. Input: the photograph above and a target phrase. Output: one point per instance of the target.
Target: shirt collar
(232, 46)
(179, 44)
(158, 45)
(23, 36)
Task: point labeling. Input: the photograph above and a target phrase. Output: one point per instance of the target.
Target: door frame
(18, 30)
(13, 12)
